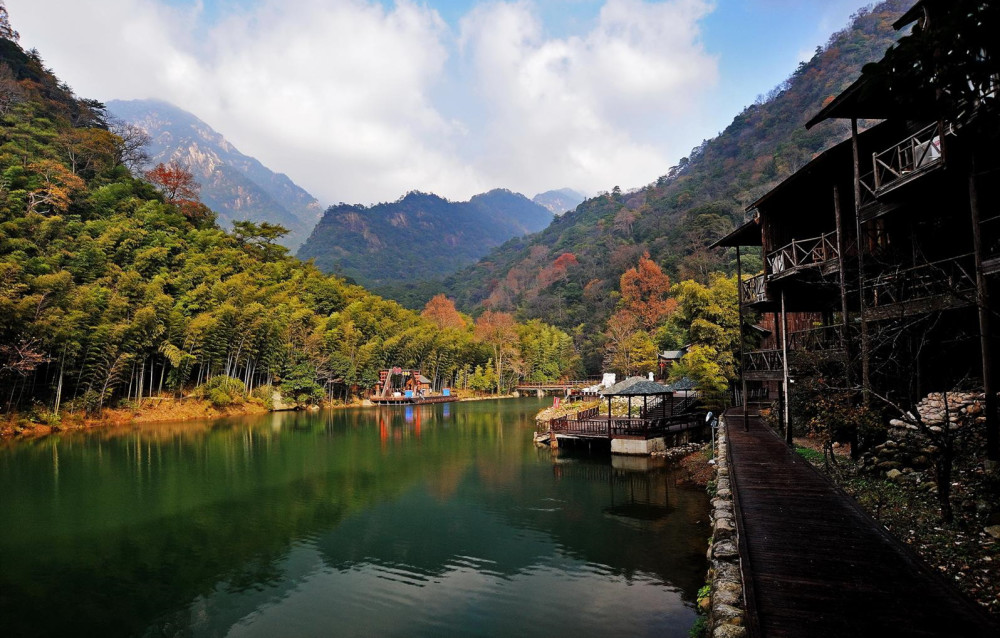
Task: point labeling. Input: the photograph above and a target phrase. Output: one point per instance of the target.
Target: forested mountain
(569, 273)
(559, 201)
(235, 186)
(418, 237)
(113, 290)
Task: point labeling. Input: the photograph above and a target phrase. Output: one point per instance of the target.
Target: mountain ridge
(234, 185)
(419, 236)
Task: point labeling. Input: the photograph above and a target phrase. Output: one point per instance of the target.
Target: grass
(809, 454)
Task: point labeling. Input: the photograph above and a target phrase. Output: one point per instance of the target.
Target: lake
(431, 521)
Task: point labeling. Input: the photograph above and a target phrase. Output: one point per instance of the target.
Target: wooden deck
(404, 400)
(817, 566)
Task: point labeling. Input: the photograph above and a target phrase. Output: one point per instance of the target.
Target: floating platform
(404, 400)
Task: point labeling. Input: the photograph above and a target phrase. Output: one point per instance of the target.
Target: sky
(361, 101)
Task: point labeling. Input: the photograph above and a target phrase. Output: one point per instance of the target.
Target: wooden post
(865, 368)
(845, 341)
(844, 318)
(784, 366)
(609, 418)
(985, 336)
(739, 295)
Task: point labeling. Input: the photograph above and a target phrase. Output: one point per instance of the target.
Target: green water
(443, 520)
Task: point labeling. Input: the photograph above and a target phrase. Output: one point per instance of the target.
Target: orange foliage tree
(442, 312)
(645, 291)
(55, 186)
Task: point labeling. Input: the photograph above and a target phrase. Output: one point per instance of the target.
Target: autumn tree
(54, 186)
(441, 312)
(175, 182)
(180, 189)
(89, 149)
(645, 291)
(629, 350)
(498, 330)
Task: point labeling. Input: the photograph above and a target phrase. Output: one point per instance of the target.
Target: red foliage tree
(175, 182)
(179, 188)
(645, 291)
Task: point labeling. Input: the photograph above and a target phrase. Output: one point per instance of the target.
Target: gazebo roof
(636, 387)
(681, 385)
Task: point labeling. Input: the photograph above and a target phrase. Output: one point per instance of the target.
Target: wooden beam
(784, 366)
(865, 346)
(985, 335)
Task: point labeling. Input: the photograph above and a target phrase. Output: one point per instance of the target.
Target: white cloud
(591, 109)
(348, 96)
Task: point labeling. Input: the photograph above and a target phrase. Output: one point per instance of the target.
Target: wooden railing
(948, 277)
(754, 289)
(763, 361)
(817, 339)
(623, 426)
(560, 384)
(804, 252)
(917, 152)
(583, 415)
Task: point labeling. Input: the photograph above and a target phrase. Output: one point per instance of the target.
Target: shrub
(222, 391)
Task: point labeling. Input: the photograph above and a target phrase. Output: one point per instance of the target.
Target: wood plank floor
(819, 566)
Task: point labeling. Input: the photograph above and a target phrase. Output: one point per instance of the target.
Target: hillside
(420, 236)
(112, 291)
(559, 201)
(234, 185)
(676, 217)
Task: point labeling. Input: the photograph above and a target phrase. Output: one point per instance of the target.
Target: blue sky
(363, 100)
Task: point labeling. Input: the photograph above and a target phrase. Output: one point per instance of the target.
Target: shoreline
(170, 410)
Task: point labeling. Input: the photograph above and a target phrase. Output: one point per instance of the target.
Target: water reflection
(424, 521)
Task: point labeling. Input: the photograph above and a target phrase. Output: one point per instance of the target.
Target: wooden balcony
(762, 365)
(949, 283)
(904, 162)
(818, 253)
(819, 339)
(754, 290)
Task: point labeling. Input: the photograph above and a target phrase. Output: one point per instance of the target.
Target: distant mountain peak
(234, 185)
(419, 236)
(560, 200)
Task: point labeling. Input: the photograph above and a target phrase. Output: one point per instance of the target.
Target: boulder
(729, 631)
(725, 550)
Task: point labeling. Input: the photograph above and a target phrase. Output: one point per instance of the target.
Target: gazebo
(637, 387)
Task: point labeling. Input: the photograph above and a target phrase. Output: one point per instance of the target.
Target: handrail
(754, 289)
(819, 338)
(763, 361)
(947, 276)
(917, 152)
(804, 252)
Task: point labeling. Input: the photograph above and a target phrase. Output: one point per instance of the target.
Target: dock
(414, 400)
(816, 565)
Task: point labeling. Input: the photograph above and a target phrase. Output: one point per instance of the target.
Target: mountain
(678, 216)
(420, 236)
(234, 185)
(559, 201)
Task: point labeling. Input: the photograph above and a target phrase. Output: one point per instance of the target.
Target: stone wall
(914, 442)
(726, 613)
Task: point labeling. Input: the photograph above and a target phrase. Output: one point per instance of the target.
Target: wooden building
(881, 255)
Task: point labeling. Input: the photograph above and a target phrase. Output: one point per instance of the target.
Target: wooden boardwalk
(816, 565)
